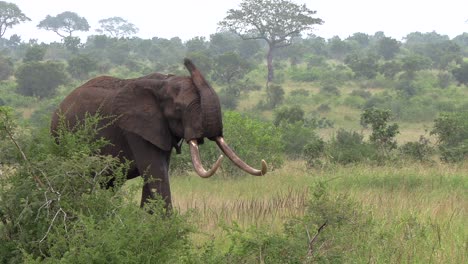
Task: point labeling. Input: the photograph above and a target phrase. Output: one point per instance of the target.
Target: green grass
(419, 211)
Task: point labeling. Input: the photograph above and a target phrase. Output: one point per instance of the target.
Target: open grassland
(418, 211)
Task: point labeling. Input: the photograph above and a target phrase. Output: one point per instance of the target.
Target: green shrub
(420, 150)
(382, 134)
(451, 130)
(322, 235)
(6, 68)
(52, 208)
(40, 79)
(313, 152)
(348, 147)
(288, 115)
(329, 89)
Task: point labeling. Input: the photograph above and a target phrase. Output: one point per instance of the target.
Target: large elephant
(155, 113)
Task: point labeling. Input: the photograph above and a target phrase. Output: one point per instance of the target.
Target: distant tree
(229, 68)
(413, 63)
(10, 15)
(64, 24)
(197, 44)
(289, 115)
(361, 39)
(117, 27)
(388, 47)
(223, 42)
(275, 96)
(383, 134)
(80, 66)
(72, 43)
(34, 53)
(6, 68)
(40, 79)
(461, 73)
(337, 48)
(390, 69)
(277, 22)
(363, 66)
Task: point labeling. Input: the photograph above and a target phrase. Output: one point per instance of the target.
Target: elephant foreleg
(153, 165)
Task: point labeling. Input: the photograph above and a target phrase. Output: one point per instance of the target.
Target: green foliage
(363, 66)
(35, 53)
(461, 73)
(117, 27)
(40, 79)
(229, 68)
(320, 236)
(420, 150)
(10, 15)
(288, 115)
(329, 89)
(274, 97)
(80, 66)
(67, 22)
(313, 151)
(382, 133)
(6, 68)
(388, 47)
(53, 209)
(451, 130)
(348, 147)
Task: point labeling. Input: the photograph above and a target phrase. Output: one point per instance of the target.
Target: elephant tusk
(196, 161)
(236, 160)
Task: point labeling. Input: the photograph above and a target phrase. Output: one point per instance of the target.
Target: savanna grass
(418, 211)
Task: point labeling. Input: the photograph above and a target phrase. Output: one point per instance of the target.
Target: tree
(10, 15)
(363, 66)
(64, 24)
(230, 67)
(6, 68)
(117, 27)
(388, 47)
(80, 66)
(275, 21)
(461, 73)
(35, 53)
(382, 133)
(40, 79)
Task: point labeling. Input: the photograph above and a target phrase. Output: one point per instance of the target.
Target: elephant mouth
(197, 164)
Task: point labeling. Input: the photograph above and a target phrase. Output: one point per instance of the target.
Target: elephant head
(165, 109)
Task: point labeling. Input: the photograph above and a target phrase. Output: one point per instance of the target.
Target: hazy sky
(189, 18)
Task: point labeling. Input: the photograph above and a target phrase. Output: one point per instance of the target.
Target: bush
(6, 68)
(330, 90)
(313, 151)
(420, 150)
(294, 136)
(322, 235)
(52, 209)
(382, 134)
(451, 130)
(40, 79)
(288, 115)
(348, 147)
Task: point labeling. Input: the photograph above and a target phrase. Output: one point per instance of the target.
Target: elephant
(154, 114)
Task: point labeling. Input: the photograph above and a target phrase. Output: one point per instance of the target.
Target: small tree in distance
(275, 21)
(117, 27)
(64, 24)
(10, 15)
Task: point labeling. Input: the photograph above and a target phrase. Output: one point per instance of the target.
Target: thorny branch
(312, 241)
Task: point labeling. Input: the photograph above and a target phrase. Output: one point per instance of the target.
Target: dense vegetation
(366, 137)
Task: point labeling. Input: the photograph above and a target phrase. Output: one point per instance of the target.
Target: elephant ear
(137, 110)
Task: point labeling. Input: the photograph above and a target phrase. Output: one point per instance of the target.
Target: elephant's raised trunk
(209, 102)
(236, 160)
(196, 161)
